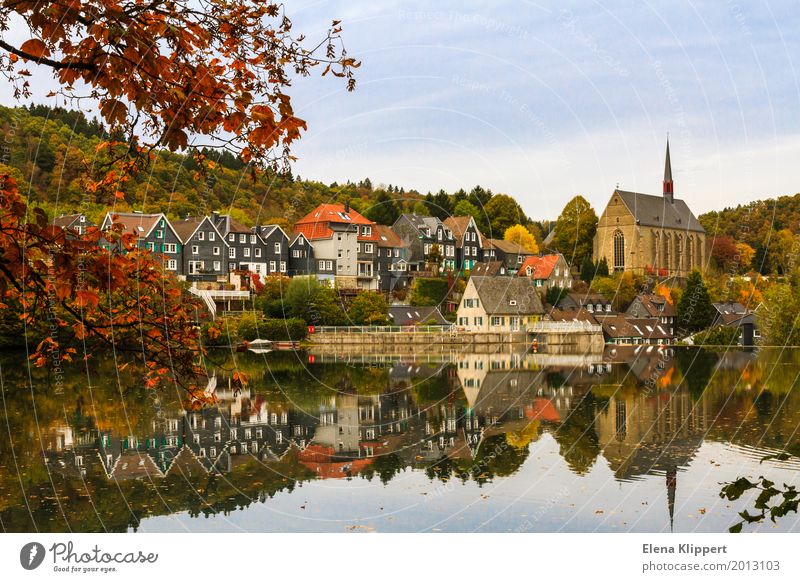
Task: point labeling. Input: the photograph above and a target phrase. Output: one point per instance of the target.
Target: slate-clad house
(592, 302)
(301, 257)
(650, 305)
(74, 224)
(154, 233)
(510, 253)
(420, 234)
(469, 241)
(391, 260)
(276, 248)
(205, 250)
(736, 315)
(499, 304)
(245, 248)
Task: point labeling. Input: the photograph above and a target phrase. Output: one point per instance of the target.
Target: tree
(588, 269)
(783, 246)
(779, 318)
(602, 268)
(479, 196)
(161, 72)
(435, 258)
(442, 205)
(467, 208)
(725, 253)
(575, 229)
(695, 311)
(369, 308)
(384, 211)
(501, 213)
(522, 236)
(555, 294)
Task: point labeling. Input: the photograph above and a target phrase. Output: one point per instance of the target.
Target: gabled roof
(489, 269)
(187, 227)
(654, 305)
(507, 295)
(299, 235)
(266, 230)
(317, 223)
(572, 315)
(226, 224)
(387, 237)
(408, 315)
(65, 220)
(650, 210)
(135, 222)
(459, 225)
(541, 266)
(506, 246)
(424, 222)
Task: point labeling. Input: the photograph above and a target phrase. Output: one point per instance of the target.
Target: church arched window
(656, 251)
(690, 264)
(665, 260)
(678, 252)
(619, 251)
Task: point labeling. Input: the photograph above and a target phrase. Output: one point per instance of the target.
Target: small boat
(259, 346)
(286, 345)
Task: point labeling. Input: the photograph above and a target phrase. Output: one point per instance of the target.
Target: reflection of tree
(576, 436)
(385, 466)
(697, 366)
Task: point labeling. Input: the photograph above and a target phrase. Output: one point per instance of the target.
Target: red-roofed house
(345, 242)
(547, 271)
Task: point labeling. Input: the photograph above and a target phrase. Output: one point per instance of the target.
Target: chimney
(347, 207)
(215, 217)
(668, 187)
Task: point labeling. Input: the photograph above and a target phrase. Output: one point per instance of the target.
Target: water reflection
(104, 456)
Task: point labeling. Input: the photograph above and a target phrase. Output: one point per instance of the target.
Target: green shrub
(429, 292)
(718, 336)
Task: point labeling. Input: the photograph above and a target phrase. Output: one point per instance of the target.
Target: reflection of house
(499, 304)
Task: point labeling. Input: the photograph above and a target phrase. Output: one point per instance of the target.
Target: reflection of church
(649, 234)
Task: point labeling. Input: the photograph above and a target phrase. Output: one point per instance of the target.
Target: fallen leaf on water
(599, 511)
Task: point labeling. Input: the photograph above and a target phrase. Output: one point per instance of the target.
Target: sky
(544, 101)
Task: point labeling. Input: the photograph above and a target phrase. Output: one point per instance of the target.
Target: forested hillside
(49, 151)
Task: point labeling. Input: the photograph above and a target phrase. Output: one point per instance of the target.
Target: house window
(272, 266)
(496, 321)
(159, 234)
(231, 266)
(217, 266)
(170, 248)
(246, 252)
(216, 250)
(172, 265)
(201, 235)
(212, 236)
(321, 265)
(277, 248)
(232, 237)
(300, 241)
(258, 251)
(252, 239)
(366, 230)
(151, 246)
(478, 321)
(195, 250)
(242, 238)
(283, 266)
(232, 253)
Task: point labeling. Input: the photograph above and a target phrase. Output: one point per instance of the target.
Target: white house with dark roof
(499, 304)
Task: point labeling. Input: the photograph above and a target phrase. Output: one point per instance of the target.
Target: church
(651, 235)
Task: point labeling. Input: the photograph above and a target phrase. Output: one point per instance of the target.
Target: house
(74, 224)
(153, 232)
(404, 315)
(301, 257)
(245, 248)
(734, 314)
(276, 247)
(490, 269)
(499, 304)
(594, 303)
(547, 271)
(469, 241)
(204, 249)
(650, 305)
(391, 260)
(423, 236)
(651, 234)
(510, 253)
(344, 240)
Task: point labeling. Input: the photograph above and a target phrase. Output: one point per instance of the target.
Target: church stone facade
(653, 235)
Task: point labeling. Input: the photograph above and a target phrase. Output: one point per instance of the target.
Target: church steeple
(668, 192)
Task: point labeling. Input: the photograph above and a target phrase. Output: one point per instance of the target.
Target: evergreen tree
(575, 230)
(384, 211)
(602, 268)
(695, 311)
(588, 269)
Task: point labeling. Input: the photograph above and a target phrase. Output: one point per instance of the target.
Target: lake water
(631, 440)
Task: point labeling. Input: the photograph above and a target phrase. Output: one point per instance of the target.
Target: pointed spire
(672, 484)
(668, 187)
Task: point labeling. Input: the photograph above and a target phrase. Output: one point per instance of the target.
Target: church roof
(649, 210)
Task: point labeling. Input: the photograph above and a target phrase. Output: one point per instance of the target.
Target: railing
(556, 326)
(347, 329)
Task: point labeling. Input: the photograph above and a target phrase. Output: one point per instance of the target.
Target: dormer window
(512, 302)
